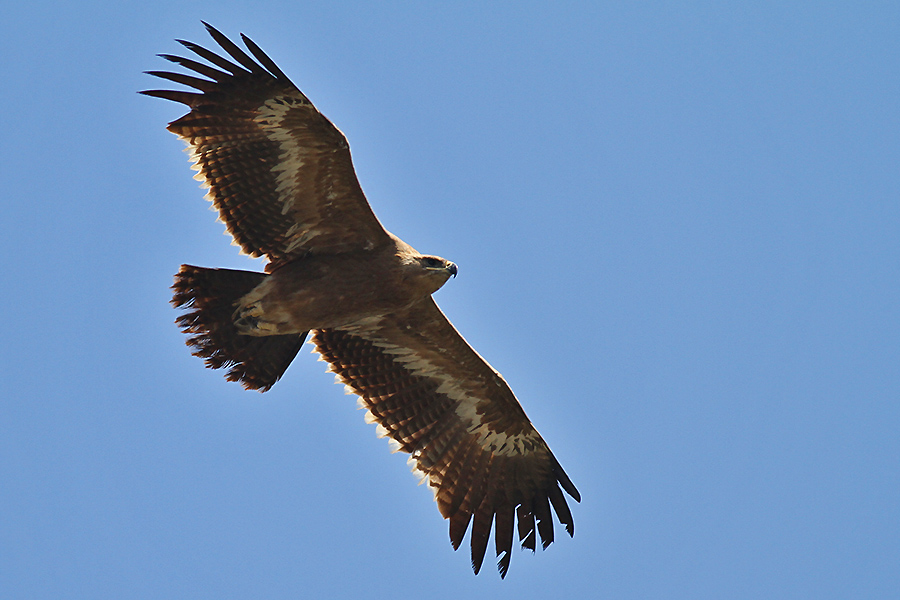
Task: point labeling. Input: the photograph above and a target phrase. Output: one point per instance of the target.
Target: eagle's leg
(249, 320)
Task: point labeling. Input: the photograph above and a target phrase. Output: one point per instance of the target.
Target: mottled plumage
(280, 175)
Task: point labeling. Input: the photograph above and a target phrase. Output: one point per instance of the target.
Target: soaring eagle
(280, 175)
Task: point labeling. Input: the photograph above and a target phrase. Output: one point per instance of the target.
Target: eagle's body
(331, 290)
(281, 177)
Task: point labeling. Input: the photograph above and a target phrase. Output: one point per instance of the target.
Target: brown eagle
(280, 175)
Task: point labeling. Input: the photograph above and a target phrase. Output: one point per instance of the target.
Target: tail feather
(210, 296)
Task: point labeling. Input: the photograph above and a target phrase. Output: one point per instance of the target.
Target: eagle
(281, 178)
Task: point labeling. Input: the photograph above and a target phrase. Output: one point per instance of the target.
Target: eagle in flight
(280, 176)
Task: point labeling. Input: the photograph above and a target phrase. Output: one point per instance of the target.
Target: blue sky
(678, 233)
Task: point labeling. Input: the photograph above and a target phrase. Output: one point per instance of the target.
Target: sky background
(678, 233)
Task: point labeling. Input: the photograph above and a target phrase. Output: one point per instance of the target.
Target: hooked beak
(452, 269)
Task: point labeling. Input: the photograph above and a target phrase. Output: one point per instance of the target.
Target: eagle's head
(431, 272)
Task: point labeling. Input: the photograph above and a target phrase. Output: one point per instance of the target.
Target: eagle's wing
(467, 434)
(278, 171)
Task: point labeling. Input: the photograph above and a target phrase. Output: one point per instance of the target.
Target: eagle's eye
(432, 263)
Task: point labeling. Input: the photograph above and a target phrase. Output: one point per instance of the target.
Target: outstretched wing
(278, 171)
(467, 435)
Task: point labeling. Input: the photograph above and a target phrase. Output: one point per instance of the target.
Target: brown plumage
(281, 177)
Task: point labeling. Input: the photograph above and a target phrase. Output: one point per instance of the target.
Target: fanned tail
(210, 296)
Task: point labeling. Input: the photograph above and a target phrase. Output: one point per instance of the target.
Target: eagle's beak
(452, 269)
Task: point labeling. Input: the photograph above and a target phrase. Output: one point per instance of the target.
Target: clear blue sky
(678, 233)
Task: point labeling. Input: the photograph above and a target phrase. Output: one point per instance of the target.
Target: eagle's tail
(211, 296)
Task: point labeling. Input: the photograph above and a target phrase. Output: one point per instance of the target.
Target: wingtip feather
(564, 480)
(481, 531)
(186, 98)
(233, 50)
(264, 59)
